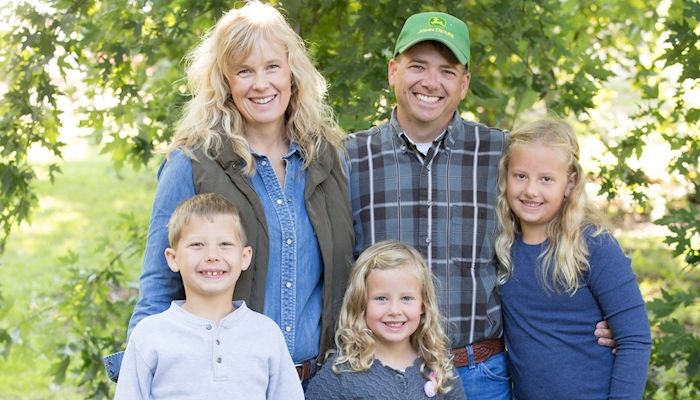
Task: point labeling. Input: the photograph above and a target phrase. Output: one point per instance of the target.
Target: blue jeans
(489, 380)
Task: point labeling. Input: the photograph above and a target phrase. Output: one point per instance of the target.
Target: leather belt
(482, 351)
(305, 369)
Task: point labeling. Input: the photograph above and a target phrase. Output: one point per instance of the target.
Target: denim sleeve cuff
(112, 364)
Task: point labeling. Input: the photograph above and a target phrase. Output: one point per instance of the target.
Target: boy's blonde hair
(211, 116)
(206, 205)
(354, 340)
(566, 254)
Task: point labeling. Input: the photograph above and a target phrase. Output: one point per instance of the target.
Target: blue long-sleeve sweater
(552, 350)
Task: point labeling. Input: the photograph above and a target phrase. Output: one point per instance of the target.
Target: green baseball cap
(441, 27)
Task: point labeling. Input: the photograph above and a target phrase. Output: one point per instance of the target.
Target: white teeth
(394, 324)
(531, 203)
(213, 273)
(263, 100)
(427, 99)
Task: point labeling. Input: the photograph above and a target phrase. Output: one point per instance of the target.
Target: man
(429, 178)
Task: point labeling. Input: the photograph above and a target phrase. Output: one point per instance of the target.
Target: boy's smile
(210, 256)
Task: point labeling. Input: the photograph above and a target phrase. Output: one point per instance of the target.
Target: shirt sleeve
(135, 375)
(158, 284)
(457, 392)
(326, 384)
(615, 287)
(284, 382)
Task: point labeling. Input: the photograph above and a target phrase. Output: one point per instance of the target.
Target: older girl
(563, 272)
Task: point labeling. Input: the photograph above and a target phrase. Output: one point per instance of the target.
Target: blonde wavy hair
(354, 340)
(566, 255)
(210, 115)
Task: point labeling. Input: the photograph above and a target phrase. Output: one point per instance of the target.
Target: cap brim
(462, 58)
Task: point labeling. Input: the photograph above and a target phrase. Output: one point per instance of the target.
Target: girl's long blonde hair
(211, 114)
(566, 255)
(354, 340)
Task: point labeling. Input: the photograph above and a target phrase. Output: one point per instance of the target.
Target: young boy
(207, 346)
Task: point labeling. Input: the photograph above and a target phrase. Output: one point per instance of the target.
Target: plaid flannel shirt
(441, 203)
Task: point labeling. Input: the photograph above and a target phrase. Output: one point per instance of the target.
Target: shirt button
(279, 201)
(218, 342)
(289, 241)
(288, 284)
(430, 204)
(427, 240)
(208, 327)
(288, 328)
(218, 359)
(263, 162)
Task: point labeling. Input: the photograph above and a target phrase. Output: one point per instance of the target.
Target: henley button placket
(220, 371)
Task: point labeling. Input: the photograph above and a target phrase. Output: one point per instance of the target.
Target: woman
(258, 131)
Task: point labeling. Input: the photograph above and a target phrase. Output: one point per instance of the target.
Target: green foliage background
(555, 54)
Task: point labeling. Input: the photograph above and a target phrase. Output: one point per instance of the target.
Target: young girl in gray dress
(390, 342)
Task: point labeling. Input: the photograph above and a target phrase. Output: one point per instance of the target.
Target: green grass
(81, 206)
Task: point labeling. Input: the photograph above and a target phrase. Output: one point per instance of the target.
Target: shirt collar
(294, 149)
(446, 137)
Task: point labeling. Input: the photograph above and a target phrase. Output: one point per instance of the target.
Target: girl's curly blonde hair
(211, 116)
(354, 340)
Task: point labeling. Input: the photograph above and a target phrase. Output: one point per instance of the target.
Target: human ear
(391, 71)
(246, 257)
(170, 258)
(466, 78)
(570, 184)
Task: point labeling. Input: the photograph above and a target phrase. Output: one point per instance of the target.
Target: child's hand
(604, 335)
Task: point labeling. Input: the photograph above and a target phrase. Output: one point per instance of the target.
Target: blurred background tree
(120, 61)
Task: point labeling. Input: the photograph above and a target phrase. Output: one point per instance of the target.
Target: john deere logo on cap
(437, 21)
